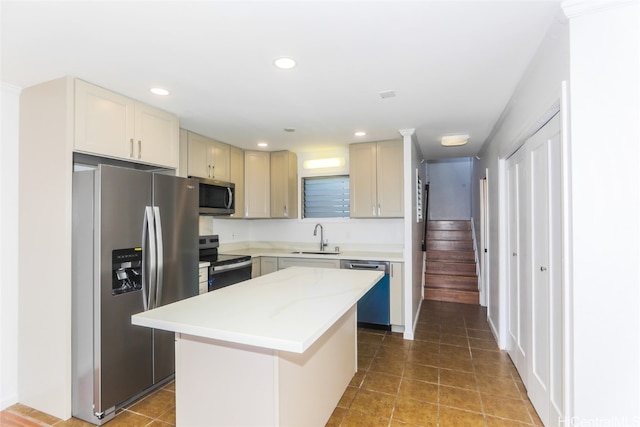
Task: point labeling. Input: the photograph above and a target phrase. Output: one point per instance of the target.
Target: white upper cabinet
(208, 158)
(112, 125)
(284, 184)
(376, 180)
(236, 175)
(257, 179)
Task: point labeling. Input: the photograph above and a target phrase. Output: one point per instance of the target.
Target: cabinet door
(255, 267)
(389, 179)
(104, 122)
(268, 264)
(220, 154)
(284, 184)
(236, 175)
(362, 180)
(396, 300)
(197, 156)
(257, 200)
(156, 136)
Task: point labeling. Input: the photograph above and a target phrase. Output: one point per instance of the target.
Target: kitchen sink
(315, 252)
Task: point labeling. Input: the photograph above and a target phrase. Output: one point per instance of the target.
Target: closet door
(518, 322)
(545, 371)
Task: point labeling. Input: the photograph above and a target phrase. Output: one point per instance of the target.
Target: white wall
(538, 92)
(9, 104)
(605, 150)
(450, 189)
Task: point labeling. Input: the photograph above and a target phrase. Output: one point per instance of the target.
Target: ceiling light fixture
(284, 63)
(159, 91)
(289, 130)
(262, 144)
(454, 140)
(360, 133)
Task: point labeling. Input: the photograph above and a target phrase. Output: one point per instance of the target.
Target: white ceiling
(453, 65)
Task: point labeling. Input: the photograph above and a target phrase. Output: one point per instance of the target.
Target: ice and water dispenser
(126, 270)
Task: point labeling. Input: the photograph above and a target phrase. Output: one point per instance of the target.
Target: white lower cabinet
(268, 264)
(396, 296)
(255, 267)
(203, 280)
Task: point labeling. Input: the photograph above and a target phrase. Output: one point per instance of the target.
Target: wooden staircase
(450, 273)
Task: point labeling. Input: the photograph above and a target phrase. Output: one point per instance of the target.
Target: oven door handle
(236, 266)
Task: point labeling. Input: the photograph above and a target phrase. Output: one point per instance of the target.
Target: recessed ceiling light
(262, 144)
(360, 133)
(289, 130)
(284, 63)
(454, 140)
(159, 91)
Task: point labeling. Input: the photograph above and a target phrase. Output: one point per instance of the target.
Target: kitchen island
(279, 349)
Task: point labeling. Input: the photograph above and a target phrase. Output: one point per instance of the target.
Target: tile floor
(452, 374)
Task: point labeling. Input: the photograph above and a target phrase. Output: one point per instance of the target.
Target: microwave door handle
(230, 193)
(159, 255)
(153, 271)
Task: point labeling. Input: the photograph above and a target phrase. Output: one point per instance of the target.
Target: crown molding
(576, 8)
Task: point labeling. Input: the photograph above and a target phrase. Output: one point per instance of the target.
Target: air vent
(387, 94)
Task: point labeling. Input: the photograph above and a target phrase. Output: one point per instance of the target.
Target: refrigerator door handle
(159, 255)
(145, 236)
(153, 269)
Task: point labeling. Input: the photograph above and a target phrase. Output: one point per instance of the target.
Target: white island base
(219, 383)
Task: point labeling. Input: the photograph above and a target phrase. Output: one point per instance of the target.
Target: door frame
(484, 238)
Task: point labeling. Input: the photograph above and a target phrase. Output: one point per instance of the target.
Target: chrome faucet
(315, 233)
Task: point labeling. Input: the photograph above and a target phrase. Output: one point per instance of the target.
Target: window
(325, 197)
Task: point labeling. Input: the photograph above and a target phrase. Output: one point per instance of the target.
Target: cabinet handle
(285, 211)
(543, 269)
(213, 171)
(378, 209)
(209, 172)
(131, 148)
(373, 209)
(139, 149)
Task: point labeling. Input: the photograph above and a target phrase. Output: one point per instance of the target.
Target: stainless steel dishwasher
(373, 307)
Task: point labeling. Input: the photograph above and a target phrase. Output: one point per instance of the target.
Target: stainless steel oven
(224, 270)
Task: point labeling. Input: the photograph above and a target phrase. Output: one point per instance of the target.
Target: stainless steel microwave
(216, 197)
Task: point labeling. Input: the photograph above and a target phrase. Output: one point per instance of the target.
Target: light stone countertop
(287, 310)
(291, 253)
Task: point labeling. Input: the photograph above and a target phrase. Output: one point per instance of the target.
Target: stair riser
(452, 296)
(453, 282)
(455, 268)
(452, 256)
(449, 235)
(448, 225)
(450, 245)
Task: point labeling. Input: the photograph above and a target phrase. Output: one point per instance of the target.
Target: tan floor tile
(489, 356)
(498, 385)
(336, 417)
(456, 363)
(129, 419)
(366, 337)
(384, 383)
(501, 422)
(386, 366)
(453, 330)
(505, 407)
(347, 397)
(532, 412)
(396, 341)
(154, 405)
(364, 362)
(367, 349)
(358, 419)
(454, 350)
(425, 347)
(457, 340)
(158, 423)
(415, 412)
(392, 352)
(502, 369)
(419, 390)
(431, 359)
(373, 403)
(483, 344)
(459, 379)
(450, 417)
(421, 372)
(170, 387)
(357, 379)
(480, 334)
(169, 417)
(73, 422)
(460, 398)
(9, 419)
(427, 336)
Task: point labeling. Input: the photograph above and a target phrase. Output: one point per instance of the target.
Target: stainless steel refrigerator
(135, 236)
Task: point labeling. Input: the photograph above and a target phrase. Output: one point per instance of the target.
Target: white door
(545, 372)
(518, 313)
(484, 238)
